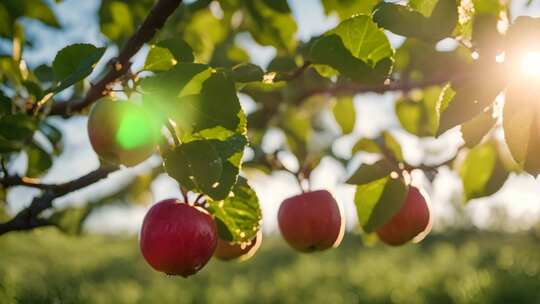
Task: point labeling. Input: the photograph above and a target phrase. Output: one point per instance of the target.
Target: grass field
(48, 267)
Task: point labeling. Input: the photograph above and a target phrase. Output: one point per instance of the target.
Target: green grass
(47, 267)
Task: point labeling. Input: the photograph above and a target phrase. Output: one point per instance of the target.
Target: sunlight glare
(530, 64)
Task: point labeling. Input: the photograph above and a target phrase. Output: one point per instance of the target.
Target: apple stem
(172, 130)
(184, 194)
(299, 180)
(198, 200)
(308, 180)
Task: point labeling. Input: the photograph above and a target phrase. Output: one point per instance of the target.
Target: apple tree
(183, 105)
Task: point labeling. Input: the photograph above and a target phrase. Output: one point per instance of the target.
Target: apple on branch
(177, 238)
(122, 132)
(409, 222)
(311, 221)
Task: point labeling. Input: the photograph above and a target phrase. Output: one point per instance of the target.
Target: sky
(520, 196)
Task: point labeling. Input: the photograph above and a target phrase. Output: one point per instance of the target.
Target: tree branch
(294, 74)
(16, 180)
(121, 64)
(351, 88)
(28, 218)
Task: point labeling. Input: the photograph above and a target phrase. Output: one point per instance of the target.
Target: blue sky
(520, 196)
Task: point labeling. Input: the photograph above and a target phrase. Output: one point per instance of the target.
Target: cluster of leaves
(196, 66)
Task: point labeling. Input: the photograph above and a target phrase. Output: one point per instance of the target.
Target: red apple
(122, 132)
(176, 238)
(227, 251)
(410, 221)
(311, 221)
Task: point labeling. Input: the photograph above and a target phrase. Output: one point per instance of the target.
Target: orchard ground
(457, 267)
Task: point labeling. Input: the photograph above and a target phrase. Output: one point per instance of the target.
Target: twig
(295, 74)
(278, 165)
(28, 218)
(121, 64)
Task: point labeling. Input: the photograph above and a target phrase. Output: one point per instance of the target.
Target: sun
(530, 64)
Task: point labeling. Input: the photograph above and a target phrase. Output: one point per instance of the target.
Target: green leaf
(117, 21)
(345, 114)
(73, 63)
(207, 162)
(159, 59)
(33, 89)
(17, 127)
(415, 58)
(44, 73)
(167, 53)
(405, 21)
(180, 50)
(183, 79)
(485, 35)
(370, 173)
(296, 124)
(195, 97)
(5, 104)
(521, 125)
(6, 23)
(477, 128)
(228, 54)
(231, 151)
(271, 26)
(238, 216)
(195, 165)
(419, 117)
(284, 64)
(472, 95)
(9, 146)
(278, 5)
(3, 213)
(393, 146)
(356, 48)
(35, 9)
(424, 7)
(482, 171)
(10, 71)
(247, 72)
(366, 145)
(227, 113)
(205, 33)
(53, 134)
(521, 121)
(521, 38)
(378, 201)
(39, 161)
(361, 36)
(348, 8)
(410, 114)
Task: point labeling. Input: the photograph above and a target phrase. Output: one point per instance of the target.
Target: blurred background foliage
(455, 267)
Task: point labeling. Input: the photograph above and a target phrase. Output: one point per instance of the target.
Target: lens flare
(135, 130)
(530, 64)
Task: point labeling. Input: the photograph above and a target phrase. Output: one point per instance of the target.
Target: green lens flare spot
(135, 130)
